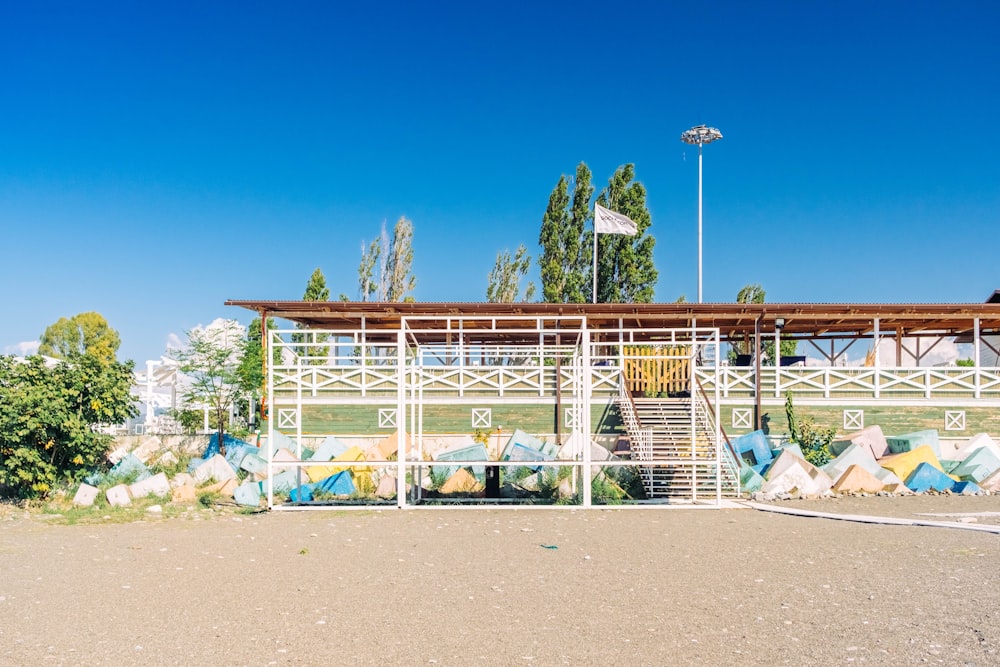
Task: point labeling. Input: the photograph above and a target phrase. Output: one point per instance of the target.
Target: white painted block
(156, 485)
(216, 468)
(85, 495)
(118, 496)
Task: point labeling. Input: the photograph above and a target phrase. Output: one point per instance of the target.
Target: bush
(812, 439)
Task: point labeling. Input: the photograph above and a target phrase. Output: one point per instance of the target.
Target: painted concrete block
(750, 479)
(128, 466)
(793, 447)
(253, 463)
(390, 445)
(857, 479)
(157, 485)
(283, 456)
(340, 484)
(949, 465)
(147, 449)
(301, 494)
(790, 474)
(903, 464)
(185, 493)
(966, 488)
(991, 483)
(118, 496)
(386, 487)
(317, 473)
(225, 489)
(85, 495)
(978, 466)
(522, 441)
(167, 459)
(278, 441)
(215, 468)
(910, 441)
(247, 494)
(976, 442)
(462, 481)
(870, 437)
(753, 447)
(231, 442)
(572, 449)
(926, 477)
(853, 454)
(180, 479)
(328, 449)
(284, 481)
(475, 452)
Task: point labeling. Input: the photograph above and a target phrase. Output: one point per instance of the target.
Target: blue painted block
(301, 494)
(236, 452)
(910, 441)
(340, 484)
(476, 452)
(966, 489)
(523, 440)
(793, 447)
(750, 479)
(753, 447)
(253, 463)
(979, 465)
(949, 465)
(926, 477)
(230, 442)
(281, 441)
(193, 464)
(329, 449)
(247, 494)
(284, 481)
(761, 468)
(128, 466)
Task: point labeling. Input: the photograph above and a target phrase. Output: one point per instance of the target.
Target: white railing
(830, 382)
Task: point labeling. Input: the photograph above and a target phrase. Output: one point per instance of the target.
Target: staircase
(660, 431)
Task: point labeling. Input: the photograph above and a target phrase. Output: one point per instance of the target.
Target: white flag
(609, 222)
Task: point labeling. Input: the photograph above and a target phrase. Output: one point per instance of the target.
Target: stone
(871, 438)
(155, 509)
(253, 464)
(167, 459)
(215, 468)
(147, 449)
(965, 488)
(910, 441)
(461, 482)
(157, 485)
(118, 496)
(225, 488)
(129, 467)
(903, 464)
(185, 493)
(753, 447)
(85, 495)
(857, 479)
(247, 494)
(991, 484)
(927, 477)
(386, 487)
(976, 442)
(328, 449)
(181, 479)
(979, 465)
(791, 474)
(354, 454)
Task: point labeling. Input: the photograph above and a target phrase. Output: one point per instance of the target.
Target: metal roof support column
(975, 353)
(756, 370)
(584, 418)
(401, 416)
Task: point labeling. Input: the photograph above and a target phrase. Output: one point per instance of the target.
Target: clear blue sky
(156, 161)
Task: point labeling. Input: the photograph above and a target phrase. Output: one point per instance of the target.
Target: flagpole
(595, 256)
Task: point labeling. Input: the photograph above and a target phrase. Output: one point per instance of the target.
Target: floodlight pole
(700, 135)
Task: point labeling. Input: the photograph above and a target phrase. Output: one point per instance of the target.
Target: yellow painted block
(388, 446)
(317, 473)
(902, 465)
(461, 482)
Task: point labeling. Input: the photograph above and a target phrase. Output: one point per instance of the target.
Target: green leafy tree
(368, 283)
(316, 290)
(85, 333)
(566, 250)
(397, 269)
(625, 269)
(754, 293)
(813, 440)
(49, 418)
(211, 362)
(251, 369)
(505, 278)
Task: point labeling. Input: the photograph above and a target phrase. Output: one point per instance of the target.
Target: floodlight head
(701, 134)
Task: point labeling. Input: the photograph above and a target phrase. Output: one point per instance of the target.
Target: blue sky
(158, 160)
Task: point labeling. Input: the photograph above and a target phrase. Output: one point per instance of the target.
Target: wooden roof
(734, 320)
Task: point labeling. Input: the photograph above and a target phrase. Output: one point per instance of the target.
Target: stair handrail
(733, 460)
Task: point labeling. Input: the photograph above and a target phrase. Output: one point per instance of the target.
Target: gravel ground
(505, 587)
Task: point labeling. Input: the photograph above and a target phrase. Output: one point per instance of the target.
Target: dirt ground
(505, 587)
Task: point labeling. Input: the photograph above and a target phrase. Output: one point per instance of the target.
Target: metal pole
(699, 222)
(595, 260)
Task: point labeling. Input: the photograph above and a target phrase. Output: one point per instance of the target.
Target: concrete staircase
(661, 432)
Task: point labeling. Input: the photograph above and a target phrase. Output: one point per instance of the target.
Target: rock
(85, 495)
(857, 479)
(118, 496)
(461, 482)
(184, 493)
(215, 468)
(155, 509)
(182, 479)
(386, 487)
(157, 485)
(247, 494)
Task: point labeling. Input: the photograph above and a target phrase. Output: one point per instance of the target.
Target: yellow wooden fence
(652, 370)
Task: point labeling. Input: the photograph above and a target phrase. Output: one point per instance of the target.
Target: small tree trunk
(222, 432)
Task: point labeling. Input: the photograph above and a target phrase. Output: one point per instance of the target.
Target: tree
(386, 269)
(754, 293)
(505, 278)
(625, 269)
(85, 333)
(49, 415)
(251, 369)
(211, 362)
(316, 290)
(566, 253)
(397, 269)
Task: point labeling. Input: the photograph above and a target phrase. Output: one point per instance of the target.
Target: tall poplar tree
(566, 252)
(316, 290)
(505, 278)
(625, 270)
(397, 269)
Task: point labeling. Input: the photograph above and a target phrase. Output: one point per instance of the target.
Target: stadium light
(700, 135)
